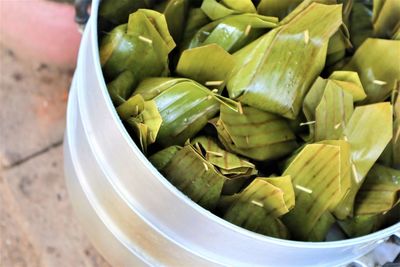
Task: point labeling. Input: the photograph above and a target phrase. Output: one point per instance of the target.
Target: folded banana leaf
(303, 6)
(275, 72)
(322, 227)
(350, 82)
(361, 225)
(311, 101)
(161, 159)
(227, 163)
(396, 34)
(391, 156)
(184, 105)
(151, 87)
(396, 142)
(337, 46)
(259, 206)
(368, 132)
(360, 23)
(376, 61)
(316, 178)
(192, 174)
(236, 169)
(209, 65)
(338, 43)
(117, 12)
(143, 117)
(365, 224)
(146, 37)
(332, 113)
(386, 18)
(120, 88)
(347, 8)
(380, 192)
(254, 133)
(329, 104)
(277, 8)
(220, 9)
(175, 13)
(346, 178)
(233, 32)
(195, 21)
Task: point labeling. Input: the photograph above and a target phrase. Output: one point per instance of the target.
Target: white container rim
(182, 197)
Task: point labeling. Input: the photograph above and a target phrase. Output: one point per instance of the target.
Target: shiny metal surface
(135, 217)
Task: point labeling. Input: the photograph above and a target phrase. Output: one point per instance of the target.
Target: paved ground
(37, 224)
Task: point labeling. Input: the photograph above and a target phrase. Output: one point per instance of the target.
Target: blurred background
(39, 41)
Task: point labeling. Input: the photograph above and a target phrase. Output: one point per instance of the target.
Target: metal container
(135, 217)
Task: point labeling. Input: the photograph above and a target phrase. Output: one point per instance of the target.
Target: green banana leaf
(233, 32)
(254, 133)
(277, 8)
(337, 46)
(332, 113)
(175, 13)
(311, 101)
(396, 34)
(236, 169)
(146, 37)
(347, 8)
(161, 159)
(151, 87)
(212, 65)
(350, 82)
(227, 163)
(117, 12)
(259, 206)
(285, 184)
(386, 18)
(396, 142)
(361, 225)
(143, 117)
(185, 107)
(220, 9)
(196, 19)
(340, 90)
(346, 178)
(159, 22)
(275, 72)
(380, 192)
(303, 6)
(365, 224)
(322, 227)
(316, 178)
(376, 61)
(120, 88)
(203, 184)
(360, 23)
(391, 156)
(368, 132)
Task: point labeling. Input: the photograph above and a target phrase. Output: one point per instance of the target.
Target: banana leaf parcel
(121, 48)
(275, 72)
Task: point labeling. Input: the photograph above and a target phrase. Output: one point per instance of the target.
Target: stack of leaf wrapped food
(282, 117)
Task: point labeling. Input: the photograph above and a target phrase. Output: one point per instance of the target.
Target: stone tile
(39, 187)
(16, 247)
(32, 107)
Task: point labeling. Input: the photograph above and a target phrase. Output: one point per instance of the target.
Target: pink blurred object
(40, 30)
